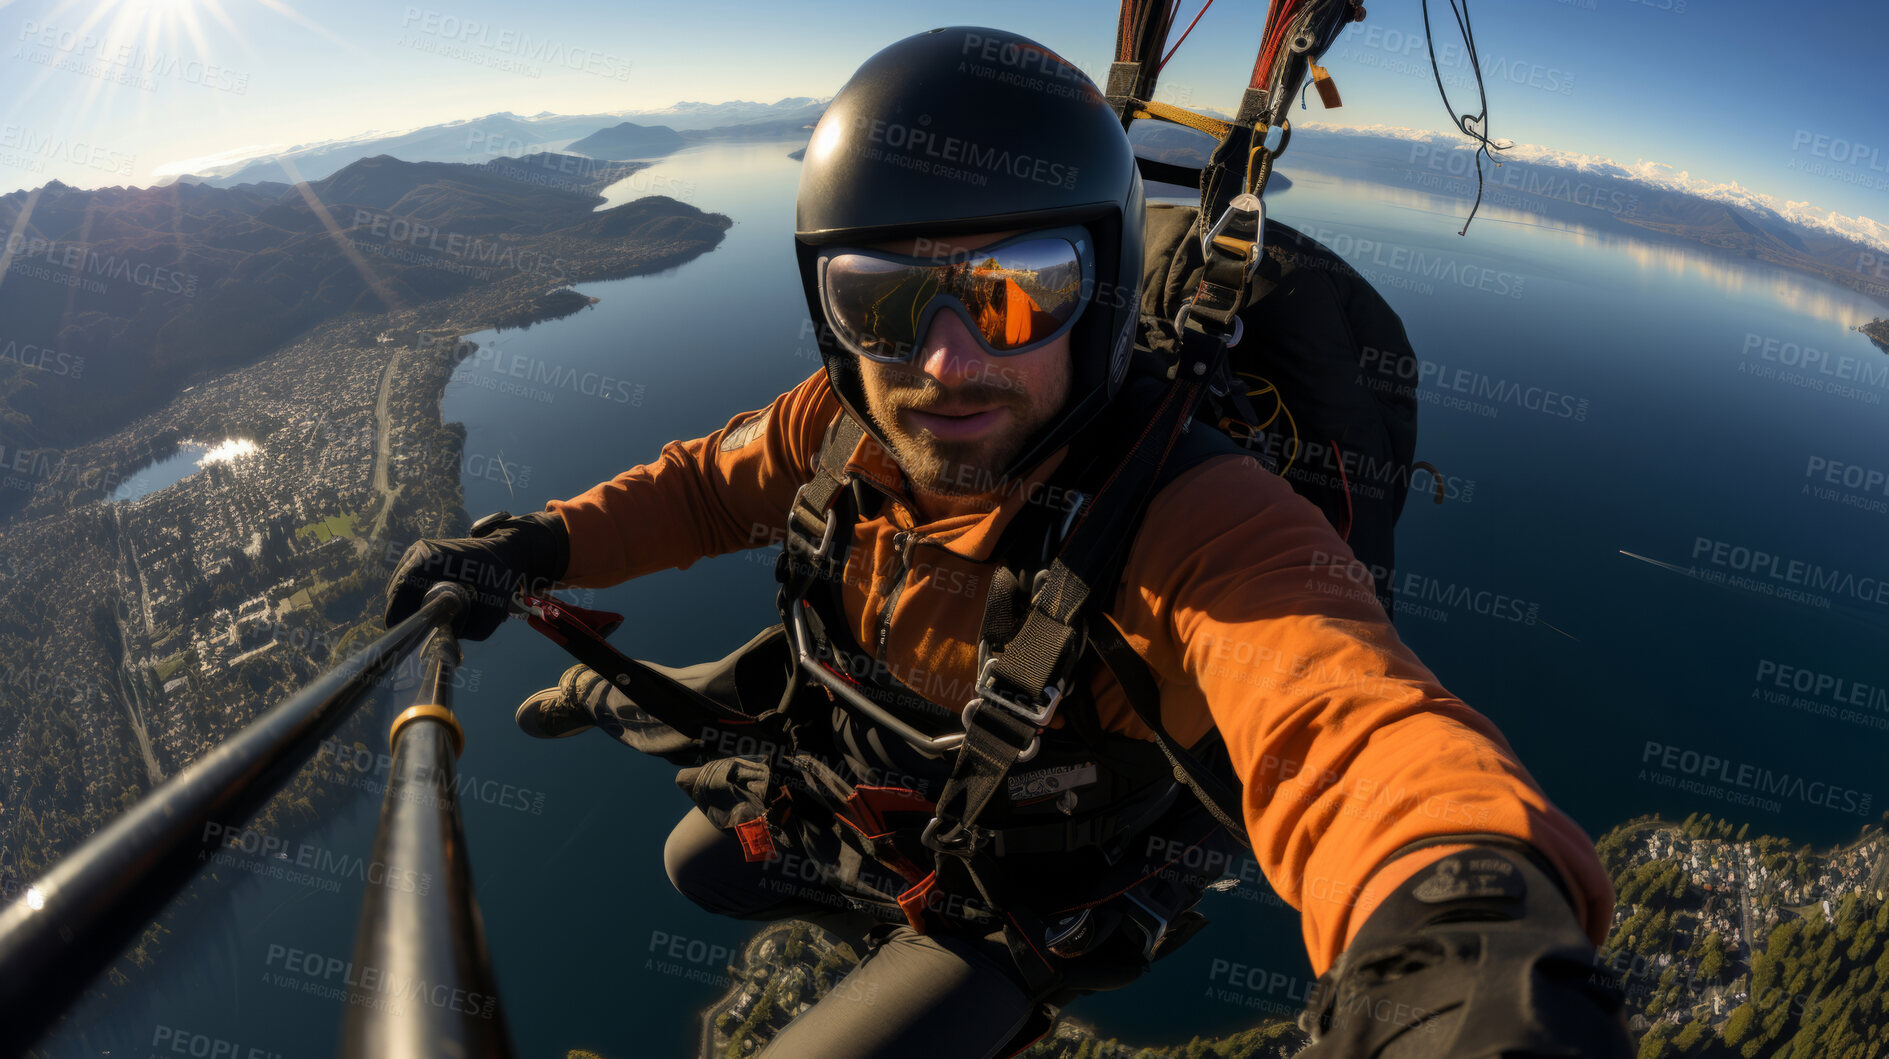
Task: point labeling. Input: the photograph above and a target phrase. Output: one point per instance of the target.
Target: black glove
(504, 555)
(1476, 955)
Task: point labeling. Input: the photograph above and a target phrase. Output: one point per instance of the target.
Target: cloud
(1657, 175)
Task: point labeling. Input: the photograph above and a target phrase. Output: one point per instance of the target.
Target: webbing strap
(1214, 127)
(1031, 669)
(817, 531)
(1144, 697)
(655, 693)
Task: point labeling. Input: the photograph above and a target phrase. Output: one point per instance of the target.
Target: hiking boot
(564, 711)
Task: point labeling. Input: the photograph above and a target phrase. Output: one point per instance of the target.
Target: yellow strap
(433, 711)
(1213, 127)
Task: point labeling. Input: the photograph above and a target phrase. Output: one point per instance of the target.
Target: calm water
(1674, 452)
(190, 457)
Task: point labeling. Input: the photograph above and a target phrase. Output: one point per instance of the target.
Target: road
(383, 450)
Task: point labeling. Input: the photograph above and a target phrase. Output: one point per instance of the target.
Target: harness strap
(1144, 697)
(657, 694)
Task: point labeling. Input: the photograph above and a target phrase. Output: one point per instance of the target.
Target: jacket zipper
(903, 540)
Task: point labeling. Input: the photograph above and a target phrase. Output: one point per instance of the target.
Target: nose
(950, 354)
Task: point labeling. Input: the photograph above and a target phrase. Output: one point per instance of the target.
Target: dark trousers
(914, 996)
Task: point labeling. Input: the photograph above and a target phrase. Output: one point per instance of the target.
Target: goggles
(1014, 295)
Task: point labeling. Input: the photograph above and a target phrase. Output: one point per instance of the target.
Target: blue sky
(1726, 90)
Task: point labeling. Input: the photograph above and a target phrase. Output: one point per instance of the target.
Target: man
(968, 230)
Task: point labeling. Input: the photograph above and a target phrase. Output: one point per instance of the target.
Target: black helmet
(963, 130)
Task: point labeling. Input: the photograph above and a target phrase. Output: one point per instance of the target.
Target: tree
(1712, 963)
(1738, 1027)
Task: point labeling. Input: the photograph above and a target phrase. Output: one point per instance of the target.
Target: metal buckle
(986, 692)
(821, 552)
(1037, 717)
(1246, 202)
(810, 664)
(961, 842)
(1187, 307)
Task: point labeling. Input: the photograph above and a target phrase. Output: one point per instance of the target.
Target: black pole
(67, 926)
(421, 981)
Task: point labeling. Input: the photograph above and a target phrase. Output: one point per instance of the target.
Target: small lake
(190, 457)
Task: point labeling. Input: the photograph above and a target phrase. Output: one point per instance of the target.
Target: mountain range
(121, 294)
(495, 135)
(1603, 195)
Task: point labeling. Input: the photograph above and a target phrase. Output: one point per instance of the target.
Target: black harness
(1005, 823)
(995, 792)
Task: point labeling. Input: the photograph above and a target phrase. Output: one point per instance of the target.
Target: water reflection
(1735, 277)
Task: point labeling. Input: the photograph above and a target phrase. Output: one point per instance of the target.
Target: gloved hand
(505, 554)
(1477, 955)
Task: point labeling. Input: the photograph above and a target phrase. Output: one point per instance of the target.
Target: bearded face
(954, 415)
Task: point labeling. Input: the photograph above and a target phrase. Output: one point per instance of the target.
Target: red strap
(757, 844)
(867, 807)
(916, 900)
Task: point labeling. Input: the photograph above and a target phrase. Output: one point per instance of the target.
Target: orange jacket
(1246, 604)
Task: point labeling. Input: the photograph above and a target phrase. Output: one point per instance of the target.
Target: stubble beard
(939, 467)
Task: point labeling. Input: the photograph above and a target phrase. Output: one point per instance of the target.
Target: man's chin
(955, 468)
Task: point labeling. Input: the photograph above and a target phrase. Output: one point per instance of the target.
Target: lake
(190, 457)
(1587, 391)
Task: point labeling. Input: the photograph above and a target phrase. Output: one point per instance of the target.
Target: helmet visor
(1014, 295)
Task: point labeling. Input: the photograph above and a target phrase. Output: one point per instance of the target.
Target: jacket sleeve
(710, 496)
(1347, 746)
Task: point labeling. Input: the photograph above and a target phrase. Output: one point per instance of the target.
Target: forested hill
(113, 299)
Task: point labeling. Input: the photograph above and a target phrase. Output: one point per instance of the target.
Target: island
(1877, 331)
(629, 140)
